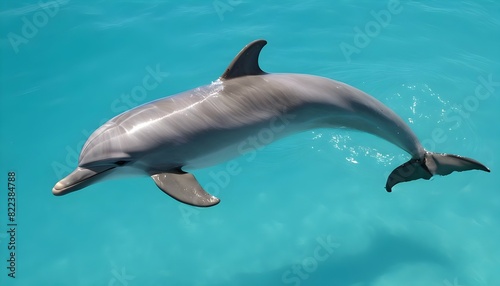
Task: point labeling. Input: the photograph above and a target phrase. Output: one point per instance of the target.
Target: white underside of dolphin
(207, 125)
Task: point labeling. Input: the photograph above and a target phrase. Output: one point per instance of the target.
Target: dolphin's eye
(121, 163)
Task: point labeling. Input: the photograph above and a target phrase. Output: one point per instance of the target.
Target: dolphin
(210, 124)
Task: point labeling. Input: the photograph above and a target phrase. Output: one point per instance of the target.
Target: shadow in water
(385, 252)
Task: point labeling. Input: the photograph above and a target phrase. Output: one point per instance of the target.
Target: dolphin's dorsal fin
(185, 188)
(246, 62)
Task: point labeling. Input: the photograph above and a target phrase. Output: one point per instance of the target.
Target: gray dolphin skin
(211, 124)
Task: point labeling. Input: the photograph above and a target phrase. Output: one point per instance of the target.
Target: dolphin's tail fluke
(431, 164)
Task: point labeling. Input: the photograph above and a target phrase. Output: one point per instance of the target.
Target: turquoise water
(307, 210)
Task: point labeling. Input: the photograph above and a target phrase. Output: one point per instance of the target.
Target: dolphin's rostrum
(204, 126)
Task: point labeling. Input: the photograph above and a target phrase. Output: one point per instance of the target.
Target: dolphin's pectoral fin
(432, 164)
(185, 188)
(246, 62)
